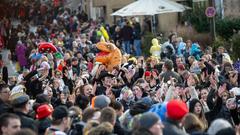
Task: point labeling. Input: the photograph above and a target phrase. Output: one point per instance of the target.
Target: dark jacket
(27, 121)
(101, 90)
(126, 33)
(172, 128)
(68, 82)
(126, 105)
(34, 87)
(137, 31)
(76, 69)
(118, 129)
(4, 107)
(43, 125)
(218, 109)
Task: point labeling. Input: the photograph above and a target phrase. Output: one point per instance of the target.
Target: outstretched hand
(237, 129)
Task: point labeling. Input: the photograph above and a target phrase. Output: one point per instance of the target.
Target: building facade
(166, 22)
(107, 7)
(231, 8)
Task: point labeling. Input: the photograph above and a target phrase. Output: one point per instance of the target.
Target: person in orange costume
(110, 55)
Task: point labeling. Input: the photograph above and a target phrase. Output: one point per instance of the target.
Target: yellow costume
(104, 33)
(110, 55)
(155, 48)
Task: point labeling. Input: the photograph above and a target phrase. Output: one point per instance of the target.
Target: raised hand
(154, 74)
(221, 89)
(190, 81)
(233, 78)
(71, 98)
(213, 81)
(203, 77)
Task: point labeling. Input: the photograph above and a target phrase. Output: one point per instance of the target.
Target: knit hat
(20, 99)
(60, 112)
(147, 73)
(176, 109)
(147, 120)
(101, 101)
(43, 111)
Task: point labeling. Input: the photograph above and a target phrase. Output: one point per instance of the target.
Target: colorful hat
(58, 55)
(43, 111)
(46, 47)
(176, 109)
(147, 73)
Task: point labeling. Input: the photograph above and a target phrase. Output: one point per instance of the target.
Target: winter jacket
(43, 125)
(172, 128)
(4, 107)
(27, 121)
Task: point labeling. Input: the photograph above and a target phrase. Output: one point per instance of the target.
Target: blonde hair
(44, 58)
(102, 129)
(90, 124)
(195, 77)
(192, 123)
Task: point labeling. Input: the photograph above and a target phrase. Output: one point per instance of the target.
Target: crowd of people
(181, 89)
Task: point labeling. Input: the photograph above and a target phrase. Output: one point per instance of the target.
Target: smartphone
(238, 100)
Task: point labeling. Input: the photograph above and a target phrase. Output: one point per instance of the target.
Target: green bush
(147, 43)
(225, 27)
(220, 42)
(232, 45)
(198, 19)
(235, 43)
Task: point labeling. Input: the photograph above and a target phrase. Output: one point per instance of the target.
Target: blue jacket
(195, 51)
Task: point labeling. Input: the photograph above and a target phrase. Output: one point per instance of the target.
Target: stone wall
(232, 8)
